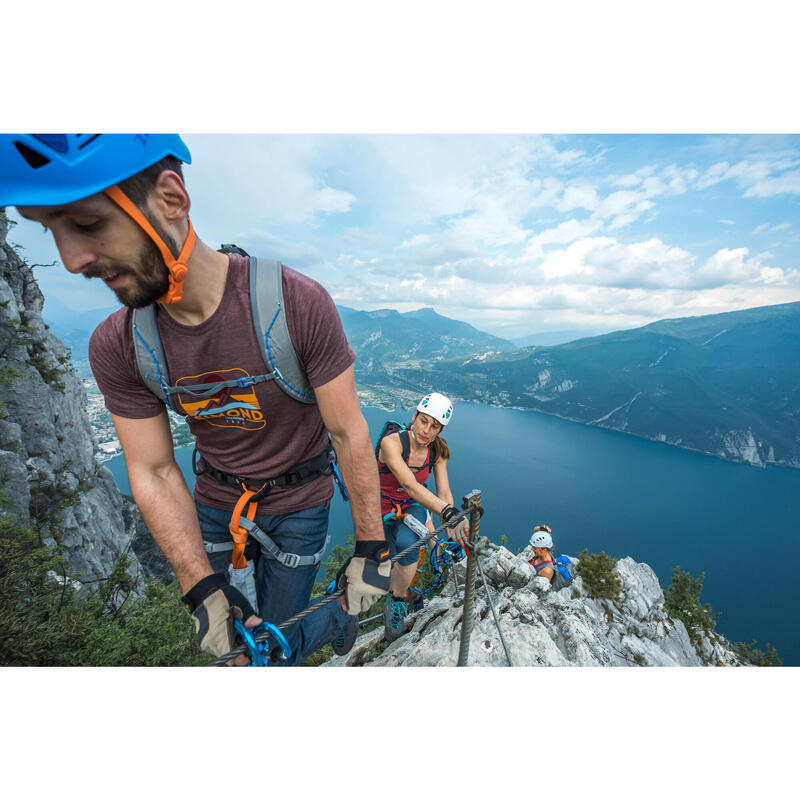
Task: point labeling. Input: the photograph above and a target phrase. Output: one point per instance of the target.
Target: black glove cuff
(202, 589)
(373, 549)
(448, 512)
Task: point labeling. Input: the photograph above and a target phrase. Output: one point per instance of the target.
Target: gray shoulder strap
(149, 352)
(269, 320)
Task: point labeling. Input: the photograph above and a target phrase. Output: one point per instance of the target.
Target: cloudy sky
(515, 234)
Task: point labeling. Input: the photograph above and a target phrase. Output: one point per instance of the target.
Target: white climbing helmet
(437, 406)
(542, 539)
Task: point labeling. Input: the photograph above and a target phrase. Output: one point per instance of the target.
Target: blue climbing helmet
(53, 169)
(49, 169)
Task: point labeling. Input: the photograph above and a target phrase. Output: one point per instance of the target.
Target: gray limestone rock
(543, 627)
(48, 469)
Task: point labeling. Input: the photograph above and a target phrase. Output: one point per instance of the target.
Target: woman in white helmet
(542, 544)
(406, 459)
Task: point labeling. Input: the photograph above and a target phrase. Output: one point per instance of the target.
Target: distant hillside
(386, 340)
(549, 338)
(725, 384)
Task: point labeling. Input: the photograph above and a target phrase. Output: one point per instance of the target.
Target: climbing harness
(259, 651)
(242, 524)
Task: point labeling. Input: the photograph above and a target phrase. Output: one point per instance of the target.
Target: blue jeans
(281, 590)
(400, 536)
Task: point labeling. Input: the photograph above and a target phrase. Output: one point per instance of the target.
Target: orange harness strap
(176, 266)
(239, 533)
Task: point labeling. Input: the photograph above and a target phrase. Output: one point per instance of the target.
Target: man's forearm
(359, 470)
(171, 517)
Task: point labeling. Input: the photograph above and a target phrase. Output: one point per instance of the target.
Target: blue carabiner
(260, 651)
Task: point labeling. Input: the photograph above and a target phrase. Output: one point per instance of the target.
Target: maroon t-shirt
(258, 432)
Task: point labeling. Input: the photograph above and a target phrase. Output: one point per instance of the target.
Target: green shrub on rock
(596, 571)
(682, 601)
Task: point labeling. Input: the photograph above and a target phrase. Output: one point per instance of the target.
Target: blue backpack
(563, 572)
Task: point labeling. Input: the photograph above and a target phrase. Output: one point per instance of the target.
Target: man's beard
(147, 281)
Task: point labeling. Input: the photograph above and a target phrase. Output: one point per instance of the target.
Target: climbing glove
(365, 575)
(458, 531)
(214, 604)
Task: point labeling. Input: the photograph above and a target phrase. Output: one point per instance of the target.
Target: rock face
(543, 627)
(48, 470)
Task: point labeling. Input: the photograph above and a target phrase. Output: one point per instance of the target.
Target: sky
(515, 234)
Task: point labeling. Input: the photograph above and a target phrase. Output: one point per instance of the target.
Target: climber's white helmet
(542, 539)
(437, 406)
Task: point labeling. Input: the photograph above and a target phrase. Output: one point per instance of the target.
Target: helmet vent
(34, 159)
(84, 143)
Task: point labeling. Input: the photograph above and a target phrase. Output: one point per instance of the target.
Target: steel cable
(491, 605)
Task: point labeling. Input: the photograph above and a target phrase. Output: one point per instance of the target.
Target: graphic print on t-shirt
(235, 406)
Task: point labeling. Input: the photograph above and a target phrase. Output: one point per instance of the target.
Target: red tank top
(392, 492)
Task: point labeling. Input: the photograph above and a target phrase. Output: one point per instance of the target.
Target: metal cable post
(472, 503)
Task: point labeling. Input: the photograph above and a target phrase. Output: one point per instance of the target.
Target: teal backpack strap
(149, 353)
(269, 320)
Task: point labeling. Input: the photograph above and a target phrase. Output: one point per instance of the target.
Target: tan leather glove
(214, 605)
(365, 575)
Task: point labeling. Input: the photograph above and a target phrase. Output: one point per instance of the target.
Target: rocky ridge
(543, 627)
(48, 469)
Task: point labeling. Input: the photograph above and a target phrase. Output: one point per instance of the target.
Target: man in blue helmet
(118, 210)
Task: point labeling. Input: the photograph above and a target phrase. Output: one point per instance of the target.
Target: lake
(608, 491)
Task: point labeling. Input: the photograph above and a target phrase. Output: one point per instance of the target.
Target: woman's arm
(442, 481)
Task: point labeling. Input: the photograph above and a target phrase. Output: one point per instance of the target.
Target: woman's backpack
(563, 572)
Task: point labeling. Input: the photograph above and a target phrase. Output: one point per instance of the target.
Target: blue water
(604, 490)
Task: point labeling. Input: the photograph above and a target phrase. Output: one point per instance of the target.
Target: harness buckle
(249, 380)
(291, 560)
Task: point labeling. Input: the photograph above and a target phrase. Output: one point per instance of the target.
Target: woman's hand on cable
(458, 531)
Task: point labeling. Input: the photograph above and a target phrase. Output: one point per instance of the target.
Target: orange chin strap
(176, 266)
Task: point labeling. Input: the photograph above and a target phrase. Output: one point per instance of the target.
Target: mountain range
(724, 384)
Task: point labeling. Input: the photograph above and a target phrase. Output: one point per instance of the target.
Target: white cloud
(758, 178)
(604, 261)
(565, 232)
(727, 222)
(788, 183)
(766, 226)
(726, 267)
(578, 196)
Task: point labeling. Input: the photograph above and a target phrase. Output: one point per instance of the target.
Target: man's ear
(168, 198)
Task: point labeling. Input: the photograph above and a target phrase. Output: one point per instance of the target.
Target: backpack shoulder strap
(272, 330)
(405, 443)
(149, 352)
